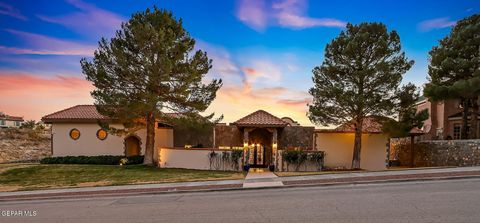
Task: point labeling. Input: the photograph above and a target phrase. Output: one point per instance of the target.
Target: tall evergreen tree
(362, 69)
(454, 70)
(149, 67)
(406, 116)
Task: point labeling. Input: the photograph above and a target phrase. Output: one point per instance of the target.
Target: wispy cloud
(253, 13)
(44, 45)
(438, 23)
(89, 20)
(290, 14)
(258, 14)
(40, 95)
(11, 11)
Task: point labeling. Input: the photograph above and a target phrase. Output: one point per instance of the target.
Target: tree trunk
(463, 131)
(150, 141)
(474, 120)
(357, 146)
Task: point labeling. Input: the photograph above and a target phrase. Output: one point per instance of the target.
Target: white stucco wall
(89, 145)
(188, 158)
(339, 150)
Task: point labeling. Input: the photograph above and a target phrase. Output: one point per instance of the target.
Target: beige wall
(89, 145)
(188, 158)
(339, 150)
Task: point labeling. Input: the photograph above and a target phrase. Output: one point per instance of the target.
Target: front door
(257, 156)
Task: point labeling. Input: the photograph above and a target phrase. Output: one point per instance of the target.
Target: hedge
(99, 160)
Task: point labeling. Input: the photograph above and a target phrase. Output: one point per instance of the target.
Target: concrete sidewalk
(252, 181)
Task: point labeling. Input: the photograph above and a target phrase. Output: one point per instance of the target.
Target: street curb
(181, 191)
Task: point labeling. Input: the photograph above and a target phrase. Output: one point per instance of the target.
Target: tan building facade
(445, 119)
(260, 135)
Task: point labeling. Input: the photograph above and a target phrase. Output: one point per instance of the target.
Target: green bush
(99, 160)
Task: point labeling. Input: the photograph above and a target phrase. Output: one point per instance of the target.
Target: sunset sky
(263, 50)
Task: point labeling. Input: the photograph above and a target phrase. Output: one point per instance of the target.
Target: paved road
(433, 201)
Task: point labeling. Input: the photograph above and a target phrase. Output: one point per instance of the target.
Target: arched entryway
(260, 147)
(132, 146)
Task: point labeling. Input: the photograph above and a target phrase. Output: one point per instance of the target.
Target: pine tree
(362, 69)
(148, 68)
(454, 70)
(406, 115)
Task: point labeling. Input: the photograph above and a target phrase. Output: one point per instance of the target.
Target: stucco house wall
(191, 159)
(89, 145)
(339, 150)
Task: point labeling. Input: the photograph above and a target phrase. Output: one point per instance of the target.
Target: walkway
(257, 177)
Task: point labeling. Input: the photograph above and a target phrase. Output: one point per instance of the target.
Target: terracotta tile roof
(82, 113)
(75, 113)
(11, 118)
(260, 118)
(371, 124)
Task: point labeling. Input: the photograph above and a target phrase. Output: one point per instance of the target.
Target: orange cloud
(32, 96)
(236, 101)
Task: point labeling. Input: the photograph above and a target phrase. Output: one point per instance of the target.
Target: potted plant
(246, 167)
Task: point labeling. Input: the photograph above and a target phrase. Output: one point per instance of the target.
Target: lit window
(102, 134)
(74, 134)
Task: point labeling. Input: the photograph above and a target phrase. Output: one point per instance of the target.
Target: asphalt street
(430, 201)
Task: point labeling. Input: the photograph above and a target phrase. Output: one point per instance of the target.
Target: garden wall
(338, 149)
(440, 153)
(198, 159)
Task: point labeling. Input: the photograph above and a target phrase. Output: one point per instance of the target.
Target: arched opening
(260, 141)
(132, 146)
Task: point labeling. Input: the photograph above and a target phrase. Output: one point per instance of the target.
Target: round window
(74, 134)
(102, 134)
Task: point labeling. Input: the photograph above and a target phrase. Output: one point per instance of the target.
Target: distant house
(445, 119)
(8, 121)
(261, 136)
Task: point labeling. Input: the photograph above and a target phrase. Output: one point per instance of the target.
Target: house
(8, 121)
(262, 136)
(338, 145)
(445, 119)
(76, 132)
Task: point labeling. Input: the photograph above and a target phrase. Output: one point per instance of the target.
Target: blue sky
(263, 50)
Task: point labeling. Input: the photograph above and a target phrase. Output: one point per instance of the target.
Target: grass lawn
(39, 176)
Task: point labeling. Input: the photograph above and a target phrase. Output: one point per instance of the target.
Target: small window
(2, 122)
(102, 134)
(456, 131)
(74, 134)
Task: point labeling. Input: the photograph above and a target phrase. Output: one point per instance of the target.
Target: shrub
(99, 160)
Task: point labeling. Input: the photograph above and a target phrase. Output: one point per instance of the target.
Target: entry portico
(260, 135)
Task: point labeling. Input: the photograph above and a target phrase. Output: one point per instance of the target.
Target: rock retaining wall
(440, 153)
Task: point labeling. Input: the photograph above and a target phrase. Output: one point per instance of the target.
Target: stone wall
(440, 153)
(23, 145)
(228, 136)
(190, 136)
(296, 137)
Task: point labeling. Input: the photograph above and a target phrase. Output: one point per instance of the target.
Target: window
(74, 134)
(17, 123)
(2, 122)
(102, 134)
(457, 129)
